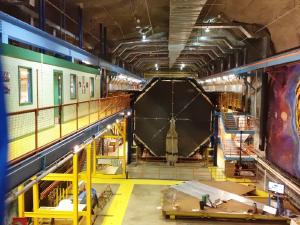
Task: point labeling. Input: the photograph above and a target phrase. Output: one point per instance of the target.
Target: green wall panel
(21, 53)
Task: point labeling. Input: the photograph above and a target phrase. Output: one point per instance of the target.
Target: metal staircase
(229, 121)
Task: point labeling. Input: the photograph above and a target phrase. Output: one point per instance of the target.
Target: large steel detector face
(181, 99)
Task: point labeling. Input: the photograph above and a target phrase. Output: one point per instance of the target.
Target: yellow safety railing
(120, 127)
(38, 212)
(54, 212)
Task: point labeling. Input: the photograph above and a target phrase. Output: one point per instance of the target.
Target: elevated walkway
(40, 157)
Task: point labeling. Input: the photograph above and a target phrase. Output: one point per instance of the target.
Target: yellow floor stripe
(117, 209)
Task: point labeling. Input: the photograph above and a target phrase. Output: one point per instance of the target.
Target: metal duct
(183, 17)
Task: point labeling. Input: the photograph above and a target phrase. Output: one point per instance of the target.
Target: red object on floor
(20, 221)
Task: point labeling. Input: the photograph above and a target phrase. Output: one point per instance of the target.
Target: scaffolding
(77, 212)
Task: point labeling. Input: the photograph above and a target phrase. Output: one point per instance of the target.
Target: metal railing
(35, 129)
(231, 146)
(245, 122)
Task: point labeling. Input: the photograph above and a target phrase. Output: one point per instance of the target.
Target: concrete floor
(160, 170)
(138, 201)
(144, 209)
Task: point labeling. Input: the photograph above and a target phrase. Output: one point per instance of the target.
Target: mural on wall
(283, 140)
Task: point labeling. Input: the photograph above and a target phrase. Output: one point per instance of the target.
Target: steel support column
(42, 14)
(124, 147)
(129, 139)
(215, 137)
(75, 189)
(21, 202)
(80, 22)
(263, 110)
(105, 43)
(89, 183)
(101, 40)
(36, 199)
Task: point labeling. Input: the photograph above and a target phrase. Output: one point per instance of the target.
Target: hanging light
(207, 29)
(182, 66)
(144, 37)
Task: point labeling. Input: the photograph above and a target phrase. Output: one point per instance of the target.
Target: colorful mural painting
(283, 138)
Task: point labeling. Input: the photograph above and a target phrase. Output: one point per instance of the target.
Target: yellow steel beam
(109, 157)
(108, 176)
(124, 147)
(75, 189)
(42, 213)
(120, 129)
(21, 202)
(94, 153)
(112, 136)
(58, 177)
(89, 184)
(35, 198)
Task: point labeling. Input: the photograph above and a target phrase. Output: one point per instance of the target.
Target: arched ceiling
(280, 17)
(234, 25)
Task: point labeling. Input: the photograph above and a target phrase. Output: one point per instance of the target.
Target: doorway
(57, 84)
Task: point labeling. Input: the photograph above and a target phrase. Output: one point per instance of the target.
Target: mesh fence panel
(48, 127)
(69, 119)
(83, 114)
(21, 134)
(93, 111)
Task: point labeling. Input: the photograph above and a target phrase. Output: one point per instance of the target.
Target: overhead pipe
(140, 55)
(199, 52)
(139, 62)
(120, 53)
(144, 53)
(217, 38)
(224, 26)
(136, 42)
(202, 48)
(214, 45)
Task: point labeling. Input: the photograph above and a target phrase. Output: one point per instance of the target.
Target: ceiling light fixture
(182, 66)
